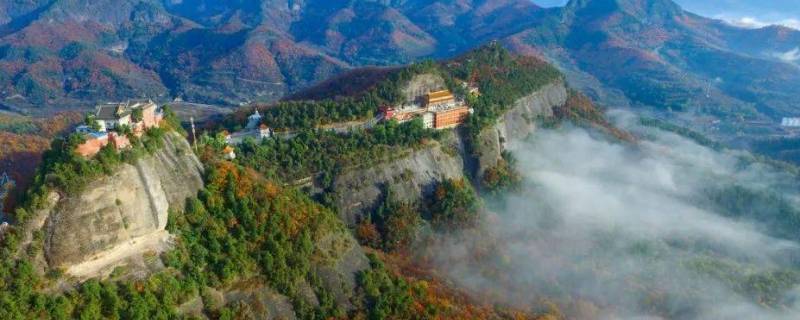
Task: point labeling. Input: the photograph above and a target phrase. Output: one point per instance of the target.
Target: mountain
(54, 54)
(654, 54)
(728, 82)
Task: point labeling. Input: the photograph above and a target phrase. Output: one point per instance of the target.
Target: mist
(612, 231)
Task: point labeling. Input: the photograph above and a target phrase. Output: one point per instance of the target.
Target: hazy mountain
(64, 53)
(621, 52)
(656, 54)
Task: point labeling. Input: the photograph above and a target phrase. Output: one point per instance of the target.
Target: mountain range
(622, 53)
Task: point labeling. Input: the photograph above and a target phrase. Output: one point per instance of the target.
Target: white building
(112, 115)
(254, 120)
(264, 132)
(428, 120)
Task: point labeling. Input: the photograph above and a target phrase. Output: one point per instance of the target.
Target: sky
(747, 13)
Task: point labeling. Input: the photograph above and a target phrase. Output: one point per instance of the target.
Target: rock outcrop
(410, 178)
(413, 177)
(124, 214)
(518, 123)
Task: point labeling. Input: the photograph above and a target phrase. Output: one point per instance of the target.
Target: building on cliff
(137, 115)
(440, 99)
(441, 110)
(254, 129)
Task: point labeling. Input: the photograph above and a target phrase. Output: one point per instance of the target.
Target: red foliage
(21, 154)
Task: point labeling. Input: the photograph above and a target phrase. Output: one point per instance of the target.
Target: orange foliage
(20, 154)
(429, 291)
(580, 108)
(367, 233)
(250, 183)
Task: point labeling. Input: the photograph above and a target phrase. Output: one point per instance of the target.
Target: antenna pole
(194, 135)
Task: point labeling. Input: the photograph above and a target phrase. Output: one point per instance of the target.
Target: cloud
(755, 23)
(789, 56)
(611, 231)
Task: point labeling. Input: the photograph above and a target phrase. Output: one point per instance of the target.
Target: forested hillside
(249, 246)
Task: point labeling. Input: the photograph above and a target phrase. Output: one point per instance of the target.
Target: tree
(137, 114)
(455, 206)
(91, 122)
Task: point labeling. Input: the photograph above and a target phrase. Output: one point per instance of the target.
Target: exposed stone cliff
(124, 214)
(410, 177)
(413, 177)
(518, 123)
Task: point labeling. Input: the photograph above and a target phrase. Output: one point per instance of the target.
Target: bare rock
(124, 214)
(410, 178)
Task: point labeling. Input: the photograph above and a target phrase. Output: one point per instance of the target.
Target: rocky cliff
(518, 123)
(409, 177)
(121, 215)
(414, 176)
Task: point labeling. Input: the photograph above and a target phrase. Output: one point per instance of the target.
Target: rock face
(421, 84)
(517, 123)
(342, 259)
(123, 214)
(413, 177)
(410, 177)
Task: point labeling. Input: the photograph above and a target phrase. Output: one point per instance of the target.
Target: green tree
(454, 206)
(137, 114)
(91, 122)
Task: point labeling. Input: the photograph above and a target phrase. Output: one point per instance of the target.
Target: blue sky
(745, 12)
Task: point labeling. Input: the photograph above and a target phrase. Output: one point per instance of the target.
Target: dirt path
(103, 263)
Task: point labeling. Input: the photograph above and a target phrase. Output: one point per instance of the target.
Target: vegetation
(769, 207)
(243, 227)
(580, 110)
(393, 226)
(310, 114)
(324, 153)
(23, 141)
(681, 131)
(503, 176)
(502, 79)
(389, 294)
(65, 170)
(454, 206)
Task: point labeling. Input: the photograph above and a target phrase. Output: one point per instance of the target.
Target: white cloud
(789, 56)
(755, 23)
(626, 229)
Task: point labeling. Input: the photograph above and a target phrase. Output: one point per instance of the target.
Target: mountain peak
(642, 9)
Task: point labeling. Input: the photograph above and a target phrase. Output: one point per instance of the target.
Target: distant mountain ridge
(635, 53)
(54, 53)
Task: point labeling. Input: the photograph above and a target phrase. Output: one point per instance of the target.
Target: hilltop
(108, 234)
(732, 84)
(218, 51)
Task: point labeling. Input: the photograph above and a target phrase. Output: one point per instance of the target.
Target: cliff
(121, 215)
(413, 177)
(518, 123)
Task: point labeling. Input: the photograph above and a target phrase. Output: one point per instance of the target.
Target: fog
(608, 231)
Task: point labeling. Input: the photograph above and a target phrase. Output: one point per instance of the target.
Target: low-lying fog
(606, 230)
